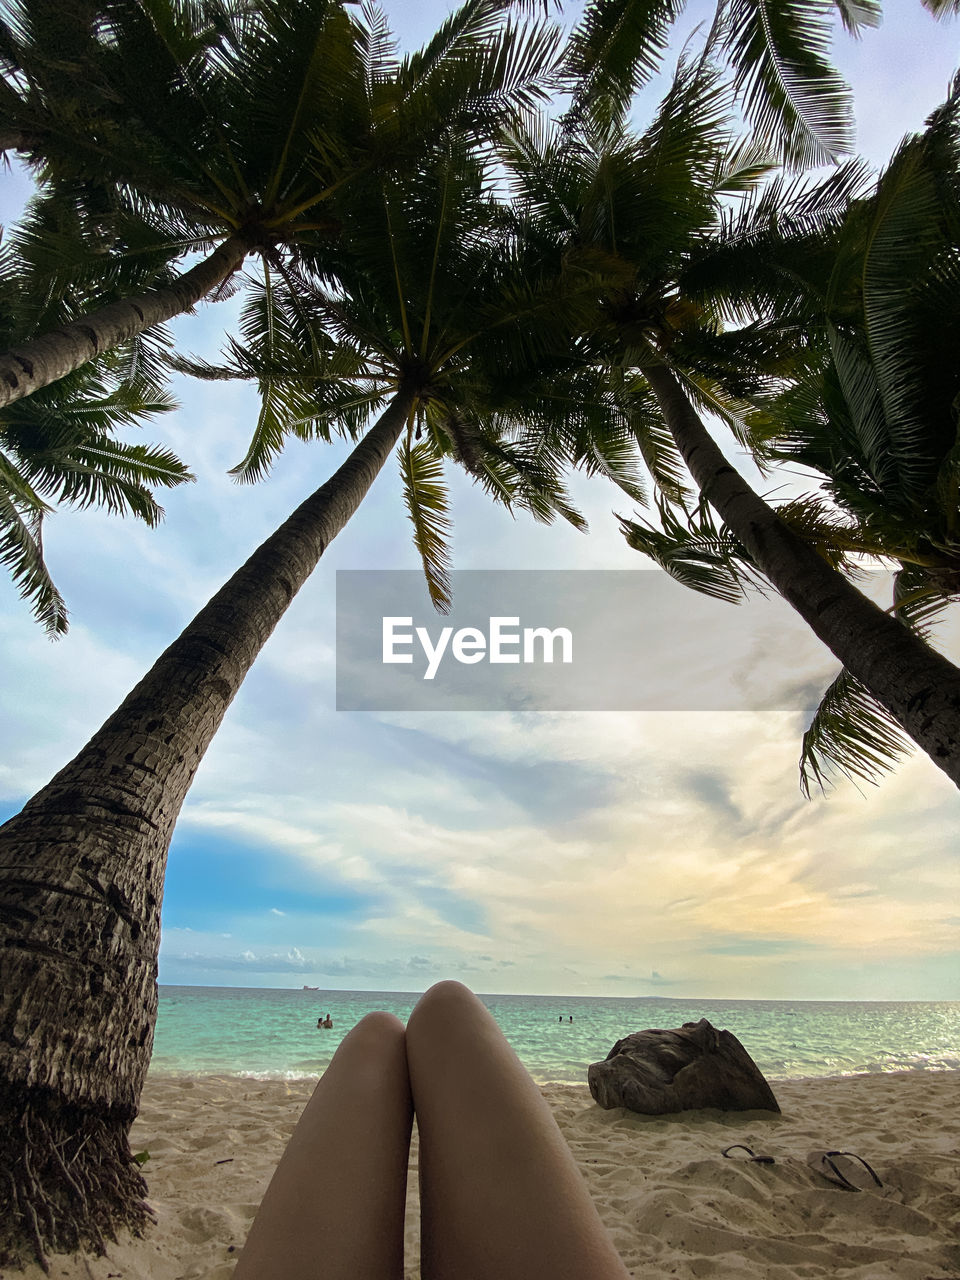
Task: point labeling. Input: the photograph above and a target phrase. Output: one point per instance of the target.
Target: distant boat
(306, 988)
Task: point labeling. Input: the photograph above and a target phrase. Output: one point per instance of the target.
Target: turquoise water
(273, 1033)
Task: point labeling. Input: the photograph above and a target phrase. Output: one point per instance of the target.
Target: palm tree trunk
(917, 685)
(35, 364)
(81, 882)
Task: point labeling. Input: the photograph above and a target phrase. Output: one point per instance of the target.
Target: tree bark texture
(51, 356)
(918, 686)
(81, 882)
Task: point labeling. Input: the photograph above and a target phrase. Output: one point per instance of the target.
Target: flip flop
(844, 1168)
(751, 1154)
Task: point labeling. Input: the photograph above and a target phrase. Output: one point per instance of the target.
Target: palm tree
(617, 208)
(125, 197)
(426, 270)
(917, 686)
(227, 125)
(81, 881)
(129, 98)
(875, 414)
(430, 279)
(59, 446)
(775, 53)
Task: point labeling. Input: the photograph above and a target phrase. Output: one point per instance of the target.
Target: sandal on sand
(845, 1168)
(751, 1154)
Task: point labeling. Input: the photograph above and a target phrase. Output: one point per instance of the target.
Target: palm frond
(378, 47)
(21, 552)
(744, 166)
(478, 74)
(771, 245)
(920, 601)
(905, 231)
(694, 552)
(796, 101)
(616, 49)
(857, 14)
(863, 399)
(835, 538)
(850, 734)
(656, 444)
(428, 507)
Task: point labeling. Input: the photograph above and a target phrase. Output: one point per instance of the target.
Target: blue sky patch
(211, 880)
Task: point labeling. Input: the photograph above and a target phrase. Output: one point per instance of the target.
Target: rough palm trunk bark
(81, 881)
(917, 685)
(35, 364)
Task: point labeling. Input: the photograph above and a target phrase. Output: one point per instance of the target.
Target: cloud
(523, 851)
(700, 830)
(654, 980)
(750, 945)
(292, 961)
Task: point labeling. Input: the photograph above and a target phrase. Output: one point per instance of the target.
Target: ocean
(272, 1034)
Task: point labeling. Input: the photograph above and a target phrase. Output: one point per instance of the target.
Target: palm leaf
(21, 551)
(771, 243)
(797, 103)
(857, 14)
(743, 167)
(656, 444)
(851, 734)
(862, 396)
(694, 552)
(616, 49)
(920, 601)
(905, 231)
(428, 507)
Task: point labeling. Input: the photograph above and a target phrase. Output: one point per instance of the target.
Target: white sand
(673, 1204)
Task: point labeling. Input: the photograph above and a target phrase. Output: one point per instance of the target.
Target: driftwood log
(658, 1072)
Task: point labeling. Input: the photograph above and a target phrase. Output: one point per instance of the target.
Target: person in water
(501, 1197)
(328, 1022)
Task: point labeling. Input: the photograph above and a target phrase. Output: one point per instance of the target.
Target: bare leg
(334, 1208)
(500, 1194)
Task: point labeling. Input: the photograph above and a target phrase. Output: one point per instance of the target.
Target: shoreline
(672, 1203)
(174, 1074)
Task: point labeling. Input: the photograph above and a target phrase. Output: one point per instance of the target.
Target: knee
(378, 1028)
(443, 1002)
(448, 992)
(380, 1023)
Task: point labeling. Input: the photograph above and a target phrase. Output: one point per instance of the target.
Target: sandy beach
(673, 1204)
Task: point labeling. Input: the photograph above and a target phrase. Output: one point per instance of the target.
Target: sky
(602, 853)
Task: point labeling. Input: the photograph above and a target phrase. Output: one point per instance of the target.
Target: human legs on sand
(334, 1207)
(501, 1197)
